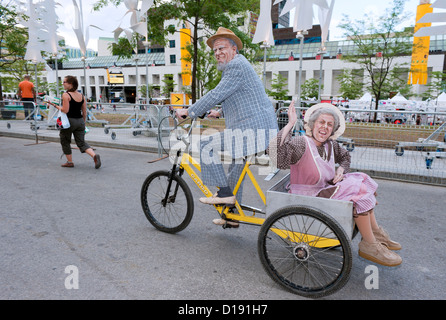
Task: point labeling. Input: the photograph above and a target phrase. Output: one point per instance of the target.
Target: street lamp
(300, 35)
(265, 46)
(320, 53)
(146, 45)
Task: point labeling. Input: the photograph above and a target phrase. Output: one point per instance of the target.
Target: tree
(279, 88)
(169, 85)
(436, 86)
(199, 14)
(377, 45)
(397, 82)
(12, 40)
(351, 87)
(310, 89)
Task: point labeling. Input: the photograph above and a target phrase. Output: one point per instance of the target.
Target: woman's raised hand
(292, 116)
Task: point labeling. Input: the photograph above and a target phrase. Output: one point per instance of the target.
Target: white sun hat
(341, 128)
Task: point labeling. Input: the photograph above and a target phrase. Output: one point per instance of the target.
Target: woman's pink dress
(312, 176)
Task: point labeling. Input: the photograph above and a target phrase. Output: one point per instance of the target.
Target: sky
(111, 17)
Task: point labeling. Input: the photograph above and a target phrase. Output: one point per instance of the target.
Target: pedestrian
(249, 117)
(75, 106)
(27, 93)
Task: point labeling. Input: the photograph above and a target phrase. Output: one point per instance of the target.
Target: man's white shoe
(215, 200)
(222, 222)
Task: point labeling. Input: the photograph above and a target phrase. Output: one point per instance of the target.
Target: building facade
(283, 58)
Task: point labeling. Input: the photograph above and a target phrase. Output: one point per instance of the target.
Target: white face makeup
(224, 52)
(323, 127)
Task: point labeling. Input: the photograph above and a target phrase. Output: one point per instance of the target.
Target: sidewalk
(96, 136)
(382, 163)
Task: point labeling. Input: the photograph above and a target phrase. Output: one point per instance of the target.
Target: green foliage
(203, 14)
(169, 85)
(436, 86)
(351, 84)
(122, 49)
(279, 88)
(310, 89)
(382, 36)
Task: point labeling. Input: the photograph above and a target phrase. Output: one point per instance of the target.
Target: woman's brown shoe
(383, 236)
(68, 165)
(377, 252)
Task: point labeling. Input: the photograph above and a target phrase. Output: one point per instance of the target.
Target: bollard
(429, 159)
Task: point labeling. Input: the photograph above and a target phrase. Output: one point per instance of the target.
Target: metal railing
(403, 145)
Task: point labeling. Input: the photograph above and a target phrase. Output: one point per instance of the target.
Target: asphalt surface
(80, 233)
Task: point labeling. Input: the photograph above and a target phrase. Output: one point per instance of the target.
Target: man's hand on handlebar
(182, 113)
(214, 114)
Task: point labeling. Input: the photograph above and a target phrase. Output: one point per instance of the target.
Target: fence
(402, 145)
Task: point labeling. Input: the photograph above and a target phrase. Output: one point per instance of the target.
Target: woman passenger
(312, 162)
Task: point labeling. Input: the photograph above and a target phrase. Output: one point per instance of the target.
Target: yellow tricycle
(304, 243)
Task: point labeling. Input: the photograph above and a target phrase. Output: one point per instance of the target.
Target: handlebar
(183, 137)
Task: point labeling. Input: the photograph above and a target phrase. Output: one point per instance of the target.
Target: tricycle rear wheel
(305, 250)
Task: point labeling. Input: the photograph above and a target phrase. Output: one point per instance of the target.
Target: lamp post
(57, 75)
(85, 77)
(265, 46)
(300, 35)
(321, 53)
(137, 75)
(146, 45)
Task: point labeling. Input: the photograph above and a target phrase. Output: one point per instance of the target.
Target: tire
(306, 251)
(399, 151)
(177, 213)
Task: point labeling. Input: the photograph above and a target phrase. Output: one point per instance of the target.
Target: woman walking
(75, 106)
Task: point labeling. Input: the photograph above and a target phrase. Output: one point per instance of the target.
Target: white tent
(366, 97)
(440, 102)
(441, 97)
(398, 98)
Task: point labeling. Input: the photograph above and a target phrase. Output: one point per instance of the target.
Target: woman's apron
(312, 176)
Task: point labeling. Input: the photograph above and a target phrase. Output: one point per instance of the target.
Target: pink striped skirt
(359, 188)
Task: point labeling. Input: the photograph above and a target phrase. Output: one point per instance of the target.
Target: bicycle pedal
(229, 225)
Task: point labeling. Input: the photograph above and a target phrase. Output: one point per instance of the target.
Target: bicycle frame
(188, 163)
(184, 162)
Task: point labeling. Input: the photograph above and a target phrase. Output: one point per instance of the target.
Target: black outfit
(77, 128)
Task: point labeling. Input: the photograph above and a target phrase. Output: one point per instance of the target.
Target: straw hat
(224, 33)
(341, 128)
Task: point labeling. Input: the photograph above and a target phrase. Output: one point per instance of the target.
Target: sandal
(68, 165)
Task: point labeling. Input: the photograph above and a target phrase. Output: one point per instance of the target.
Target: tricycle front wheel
(169, 212)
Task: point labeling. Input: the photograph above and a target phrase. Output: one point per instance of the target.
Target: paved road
(58, 224)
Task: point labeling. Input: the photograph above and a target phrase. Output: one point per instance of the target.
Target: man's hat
(336, 134)
(224, 33)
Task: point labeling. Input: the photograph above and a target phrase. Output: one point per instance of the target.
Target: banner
(420, 49)
(186, 68)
